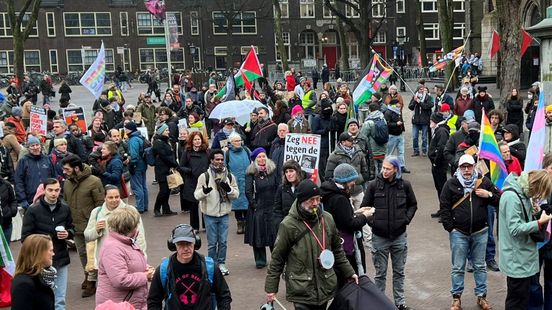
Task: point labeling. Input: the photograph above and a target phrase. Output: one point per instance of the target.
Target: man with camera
(187, 279)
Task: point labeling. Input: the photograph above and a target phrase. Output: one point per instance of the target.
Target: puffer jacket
(83, 194)
(422, 110)
(237, 160)
(263, 134)
(192, 165)
(357, 160)
(395, 204)
(306, 281)
(164, 156)
(31, 171)
(471, 215)
(210, 203)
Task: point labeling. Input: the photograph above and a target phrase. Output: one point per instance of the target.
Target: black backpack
(381, 132)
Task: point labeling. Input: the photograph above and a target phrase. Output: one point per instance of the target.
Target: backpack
(164, 274)
(381, 132)
(147, 152)
(207, 176)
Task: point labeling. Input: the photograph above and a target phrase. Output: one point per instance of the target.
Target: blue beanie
(469, 115)
(256, 153)
(161, 128)
(345, 173)
(32, 140)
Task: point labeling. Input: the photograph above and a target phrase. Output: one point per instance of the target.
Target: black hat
(482, 89)
(437, 117)
(345, 137)
(131, 126)
(513, 129)
(305, 190)
(227, 121)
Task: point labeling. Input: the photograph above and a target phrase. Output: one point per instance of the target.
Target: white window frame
(306, 7)
(398, 31)
(378, 8)
(194, 23)
(351, 12)
(6, 31)
(56, 60)
(433, 3)
(433, 27)
(87, 60)
(245, 49)
(403, 5)
(353, 46)
(50, 27)
(327, 13)
(124, 16)
(380, 38)
(196, 59)
(177, 64)
(241, 25)
(287, 45)
(8, 67)
(153, 24)
(307, 45)
(462, 5)
(284, 8)
(462, 28)
(220, 51)
(95, 27)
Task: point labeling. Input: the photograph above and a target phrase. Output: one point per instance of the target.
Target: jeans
(46, 99)
(398, 248)
(8, 232)
(217, 236)
(61, 287)
(396, 143)
(140, 189)
(491, 245)
(536, 300)
(460, 246)
(415, 134)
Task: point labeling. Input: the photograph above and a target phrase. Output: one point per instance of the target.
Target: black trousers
(517, 297)
(310, 307)
(240, 215)
(162, 200)
(439, 177)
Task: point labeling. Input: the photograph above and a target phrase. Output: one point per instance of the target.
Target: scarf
(298, 121)
(48, 276)
(513, 142)
(227, 131)
(348, 150)
(220, 174)
(467, 184)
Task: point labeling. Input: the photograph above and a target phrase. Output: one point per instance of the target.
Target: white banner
(39, 120)
(304, 149)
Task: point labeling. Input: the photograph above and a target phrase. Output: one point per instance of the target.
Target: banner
(39, 120)
(94, 77)
(173, 31)
(75, 116)
(304, 149)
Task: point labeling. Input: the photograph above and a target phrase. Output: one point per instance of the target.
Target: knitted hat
(161, 128)
(131, 126)
(60, 141)
(296, 109)
(305, 190)
(256, 153)
(445, 107)
(345, 173)
(548, 108)
(352, 121)
(469, 116)
(17, 111)
(32, 140)
(437, 117)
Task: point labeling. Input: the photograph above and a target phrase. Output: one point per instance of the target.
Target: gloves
(25, 204)
(207, 190)
(225, 187)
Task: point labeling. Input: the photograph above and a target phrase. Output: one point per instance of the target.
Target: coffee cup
(60, 228)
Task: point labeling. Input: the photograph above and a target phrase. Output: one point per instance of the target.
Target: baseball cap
(474, 126)
(345, 137)
(227, 121)
(466, 159)
(183, 233)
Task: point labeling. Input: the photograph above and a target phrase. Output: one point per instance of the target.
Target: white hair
(283, 125)
(233, 136)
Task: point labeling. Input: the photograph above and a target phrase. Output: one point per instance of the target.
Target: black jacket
(283, 200)
(39, 219)
(337, 203)
(515, 112)
(395, 204)
(74, 145)
(164, 156)
(422, 110)
(437, 146)
(392, 118)
(221, 290)
(452, 144)
(263, 134)
(479, 103)
(277, 156)
(29, 293)
(192, 165)
(8, 203)
(354, 297)
(471, 215)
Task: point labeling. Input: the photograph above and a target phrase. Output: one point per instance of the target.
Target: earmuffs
(172, 246)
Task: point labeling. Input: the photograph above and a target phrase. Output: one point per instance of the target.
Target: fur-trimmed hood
(253, 170)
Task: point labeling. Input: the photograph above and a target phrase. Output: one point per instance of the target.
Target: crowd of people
(74, 187)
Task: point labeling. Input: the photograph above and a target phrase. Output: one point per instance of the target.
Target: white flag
(94, 77)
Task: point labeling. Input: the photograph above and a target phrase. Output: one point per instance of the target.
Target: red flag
(526, 41)
(246, 81)
(156, 8)
(251, 63)
(495, 44)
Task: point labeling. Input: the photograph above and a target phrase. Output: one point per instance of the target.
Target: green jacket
(368, 130)
(306, 281)
(519, 257)
(148, 116)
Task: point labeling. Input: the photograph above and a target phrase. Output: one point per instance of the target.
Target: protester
(512, 163)
(517, 147)
(277, 151)
(514, 107)
(439, 137)
(421, 104)
(164, 164)
(148, 112)
(265, 132)
(10, 143)
(395, 127)
(482, 102)
(8, 207)
(110, 165)
(321, 125)
(375, 122)
(237, 160)
(137, 166)
(286, 193)
(298, 122)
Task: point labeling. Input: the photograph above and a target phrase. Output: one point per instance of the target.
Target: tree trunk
(344, 48)
(509, 24)
(279, 35)
(421, 34)
(18, 49)
(445, 29)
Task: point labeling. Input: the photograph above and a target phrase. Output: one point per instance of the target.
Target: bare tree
(20, 34)
(421, 33)
(509, 25)
(446, 21)
(279, 34)
(344, 48)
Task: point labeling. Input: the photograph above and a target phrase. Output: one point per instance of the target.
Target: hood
(374, 115)
(519, 184)
(86, 172)
(329, 188)
(270, 168)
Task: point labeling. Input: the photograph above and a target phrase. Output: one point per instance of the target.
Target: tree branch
(11, 15)
(345, 19)
(32, 20)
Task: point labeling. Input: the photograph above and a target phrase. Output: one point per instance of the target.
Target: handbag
(174, 179)
(538, 236)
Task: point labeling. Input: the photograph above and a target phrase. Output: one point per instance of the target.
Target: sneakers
(436, 214)
(224, 270)
(404, 307)
(469, 267)
(483, 303)
(492, 265)
(456, 303)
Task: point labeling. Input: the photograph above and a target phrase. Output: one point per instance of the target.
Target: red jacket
(513, 165)
(19, 128)
(290, 83)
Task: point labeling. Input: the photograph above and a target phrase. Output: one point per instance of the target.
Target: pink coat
(122, 269)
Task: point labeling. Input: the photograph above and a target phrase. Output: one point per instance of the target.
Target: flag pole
(400, 77)
(455, 66)
(168, 48)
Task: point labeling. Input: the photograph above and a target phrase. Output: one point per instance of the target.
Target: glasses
(466, 167)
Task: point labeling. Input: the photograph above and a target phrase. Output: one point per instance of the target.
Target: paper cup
(60, 228)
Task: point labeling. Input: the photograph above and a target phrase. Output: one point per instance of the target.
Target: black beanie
(305, 190)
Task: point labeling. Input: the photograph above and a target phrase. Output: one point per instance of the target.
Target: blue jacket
(237, 161)
(136, 150)
(113, 171)
(216, 141)
(31, 171)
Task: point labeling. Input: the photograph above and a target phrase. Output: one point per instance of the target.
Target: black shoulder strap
(522, 205)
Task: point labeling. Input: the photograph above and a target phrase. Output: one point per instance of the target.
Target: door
(330, 54)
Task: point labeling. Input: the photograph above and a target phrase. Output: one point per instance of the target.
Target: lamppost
(193, 51)
(401, 40)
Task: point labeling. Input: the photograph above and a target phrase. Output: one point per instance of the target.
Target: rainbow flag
(372, 81)
(488, 149)
(7, 271)
(451, 56)
(94, 77)
(535, 149)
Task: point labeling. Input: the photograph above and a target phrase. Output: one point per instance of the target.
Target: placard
(75, 116)
(143, 131)
(39, 120)
(304, 149)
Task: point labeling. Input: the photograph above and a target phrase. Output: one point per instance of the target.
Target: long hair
(540, 184)
(31, 256)
(190, 146)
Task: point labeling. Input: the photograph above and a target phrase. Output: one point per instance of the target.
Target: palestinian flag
(250, 68)
(7, 270)
(451, 56)
(372, 81)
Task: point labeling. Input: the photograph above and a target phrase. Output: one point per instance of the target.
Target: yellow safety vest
(452, 123)
(306, 100)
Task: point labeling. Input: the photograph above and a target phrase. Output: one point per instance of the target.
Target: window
(431, 31)
(284, 8)
(458, 5)
(196, 58)
(351, 12)
(34, 31)
(307, 39)
(353, 45)
(429, 6)
(194, 23)
(31, 61)
(306, 8)
(220, 57)
(78, 60)
(157, 58)
(326, 12)
(400, 6)
(6, 30)
(123, 19)
(87, 24)
(378, 8)
(50, 24)
(243, 23)
(401, 32)
(380, 38)
(147, 25)
(54, 68)
(458, 31)
(287, 46)
(245, 49)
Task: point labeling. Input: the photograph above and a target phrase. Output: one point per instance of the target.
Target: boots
(84, 283)
(90, 289)
(241, 227)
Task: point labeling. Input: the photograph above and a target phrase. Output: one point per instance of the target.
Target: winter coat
(290, 83)
(277, 155)
(31, 171)
(422, 110)
(392, 118)
(357, 160)
(395, 204)
(437, 146)
(237, 160)
(518, 150)
(164, 156)
(158, 294)
(519, 256)
(136, 150)
(353, 296)
(65, 90)
(337, 126)
(306, 281)
(322, 126)
(113, 171)
(369, 130)
(471, 215)
(28, 292)
(515, 112)
(303, 127)
(479, 103)
(40, 219)
(263, 134)
(282, 116)
(462, 105)
(192, 165)
(122, 272)
(20, 131)
(148, 116)
(83, 194)
(260, 188)
(74, 145)
(210, 203)
(284, 198)
(452, 144)
(219, 137)
(8, 203)
(56, 157)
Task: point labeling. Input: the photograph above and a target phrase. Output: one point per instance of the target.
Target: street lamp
(193, 50)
